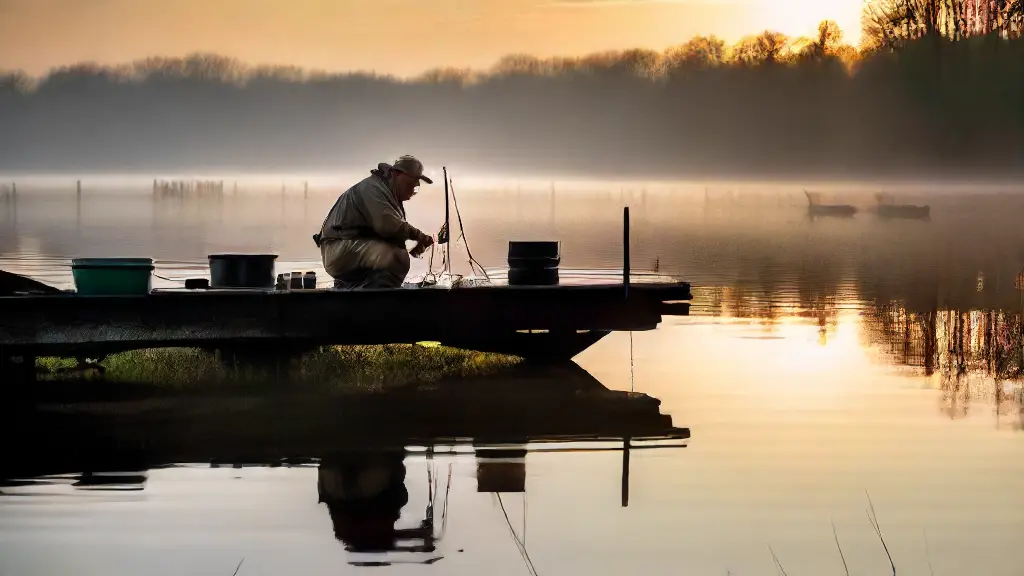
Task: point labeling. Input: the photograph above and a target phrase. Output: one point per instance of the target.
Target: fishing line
(632, 373)
(515, 538)
(462, 234)
(444, 509)
(168, 279)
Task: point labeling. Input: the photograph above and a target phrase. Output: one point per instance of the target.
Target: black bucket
(534, 254)
(242, 270)
(533, 263)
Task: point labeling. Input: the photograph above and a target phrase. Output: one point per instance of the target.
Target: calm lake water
(823, 360)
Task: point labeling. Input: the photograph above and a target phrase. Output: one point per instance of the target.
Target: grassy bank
(336, 368)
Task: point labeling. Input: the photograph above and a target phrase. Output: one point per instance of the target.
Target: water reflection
(364, 493)
(367, 493)
(821, 359)
(971, 356)
(112, 481)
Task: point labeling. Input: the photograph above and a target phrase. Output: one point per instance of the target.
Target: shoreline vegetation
(934, 89)
(330, 369)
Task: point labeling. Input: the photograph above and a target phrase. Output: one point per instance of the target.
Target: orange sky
(389, 36)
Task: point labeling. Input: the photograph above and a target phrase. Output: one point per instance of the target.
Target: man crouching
(362, 240)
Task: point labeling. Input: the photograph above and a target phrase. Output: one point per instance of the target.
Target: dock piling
(625, 250)
(625, 471)
(447, 224)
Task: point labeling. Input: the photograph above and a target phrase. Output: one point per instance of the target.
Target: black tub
(242, 270)
(534, 254)
(533, 263)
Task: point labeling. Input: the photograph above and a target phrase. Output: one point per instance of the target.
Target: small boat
(887, 209)
(835, 210)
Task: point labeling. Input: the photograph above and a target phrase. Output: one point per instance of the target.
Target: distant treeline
(937, 88)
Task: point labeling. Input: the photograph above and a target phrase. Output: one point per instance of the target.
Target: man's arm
(385, 219)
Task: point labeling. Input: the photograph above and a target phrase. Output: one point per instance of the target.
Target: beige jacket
(369, 210)
(366, 228)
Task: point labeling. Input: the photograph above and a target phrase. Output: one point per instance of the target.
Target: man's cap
(411, 166)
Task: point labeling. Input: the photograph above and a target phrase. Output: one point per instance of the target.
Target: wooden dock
(534, 322)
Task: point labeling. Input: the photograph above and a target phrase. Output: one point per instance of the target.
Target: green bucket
(112, 276)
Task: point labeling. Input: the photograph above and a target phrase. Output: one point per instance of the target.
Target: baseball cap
(411, 166)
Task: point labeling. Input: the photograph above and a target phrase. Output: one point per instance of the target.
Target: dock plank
(68, 322)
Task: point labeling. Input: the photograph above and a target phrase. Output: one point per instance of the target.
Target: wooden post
(305, 190)
(625, 250)
(551, 215)
(78, 187)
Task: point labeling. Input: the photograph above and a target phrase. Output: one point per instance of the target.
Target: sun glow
(801, 17)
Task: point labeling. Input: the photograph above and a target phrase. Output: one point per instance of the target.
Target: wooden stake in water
(625, 286)
(625, 251)
(625, 471)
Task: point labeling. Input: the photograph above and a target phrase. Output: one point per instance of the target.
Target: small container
(296, 283)
(282, 281)
(197, 283)
(112, 276)
(309, 281)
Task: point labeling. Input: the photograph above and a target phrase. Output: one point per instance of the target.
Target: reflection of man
(362, 241)
(364, 493)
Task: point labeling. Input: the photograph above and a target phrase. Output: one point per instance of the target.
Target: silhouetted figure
(362, 240)
(365, 492)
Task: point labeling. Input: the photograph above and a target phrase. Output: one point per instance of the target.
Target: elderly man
(363, 239)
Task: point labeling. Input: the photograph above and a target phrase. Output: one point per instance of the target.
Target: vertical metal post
(625, 471)
(447, 226)
(625, 250)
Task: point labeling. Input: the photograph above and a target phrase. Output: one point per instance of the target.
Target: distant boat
(887, 209)
(837, 210)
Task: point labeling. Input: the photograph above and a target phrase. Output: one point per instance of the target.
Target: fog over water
(823, 357)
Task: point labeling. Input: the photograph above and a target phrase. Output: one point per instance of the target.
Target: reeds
(333, 368)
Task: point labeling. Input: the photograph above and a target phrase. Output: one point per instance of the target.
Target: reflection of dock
(517, 406)
(366, 490)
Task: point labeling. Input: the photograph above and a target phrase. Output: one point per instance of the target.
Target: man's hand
(422, 243)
